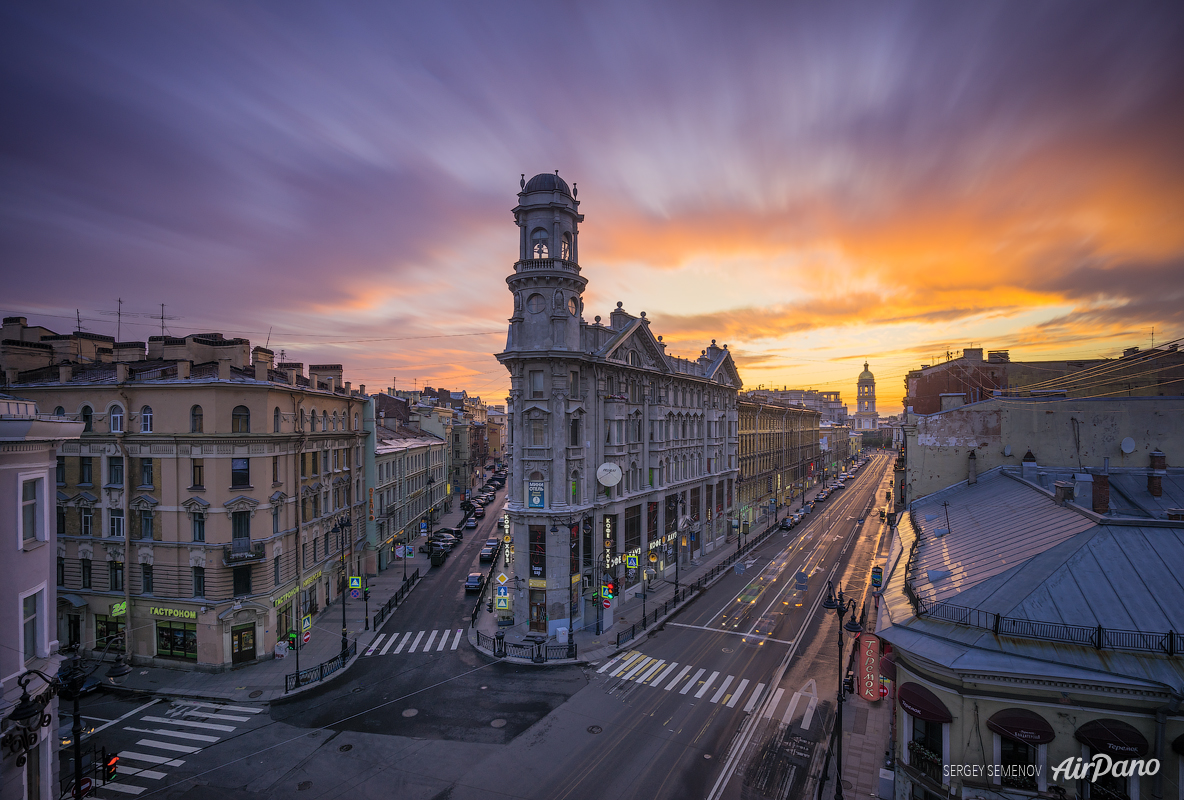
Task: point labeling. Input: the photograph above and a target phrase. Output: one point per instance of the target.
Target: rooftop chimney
(1159, 468)
(224, 369)
(973, 477)
(183, 369)
(1101, 499)
(65, 372)
(121, 373)
(1062, 492)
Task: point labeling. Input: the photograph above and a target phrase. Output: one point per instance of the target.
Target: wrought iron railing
(381, 614)
(320, 671)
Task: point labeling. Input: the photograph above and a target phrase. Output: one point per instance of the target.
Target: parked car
(474, 582)
(797, 518)
(493, 541)
(787, 524)
(479, 512)
(470, 523)
(445, 538)
(807, 508)
(487, 554)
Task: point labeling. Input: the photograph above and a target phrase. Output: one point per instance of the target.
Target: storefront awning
(1114, 738)
(72, 599)
(922, 703)
(1021, 724)
(888, 666)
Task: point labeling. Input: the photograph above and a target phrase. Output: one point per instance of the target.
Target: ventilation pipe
(1159, 468)
(972, 479)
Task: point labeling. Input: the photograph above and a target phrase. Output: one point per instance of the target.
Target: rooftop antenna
(162, 320)
(268, 336)
(119, 321)
(947, 507)
(78, 339)
(283, 358)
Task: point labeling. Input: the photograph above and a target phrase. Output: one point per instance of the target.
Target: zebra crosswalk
(631, 669)
(167, 739)
(382, 643)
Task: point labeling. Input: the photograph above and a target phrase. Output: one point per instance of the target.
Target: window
(147, 526)
(275, 420)
(115, 523)
(61, 471)
(106, 630)
(199, 473)
(538, 433)
(925, 748)
(115, 416)
(325, 461)
(574, 386)
(146, 419)
(302, 419)
(61, 520)
(275, 519)
(275, 578)
(275, 469)
(115, 576)
(31, 625)
(176, 640)
(58, 411)
(539, 244)
(355, 421)
(85, 471)
(199, 528)
(538, 551)
(240, 472)
(146, 579)
(199, 581)
(115, 470)
(324, 420)
(536, 383)
(61, 571)
(87, 519)
(240, 420)
(242, 581)
(335, 421)
(574, 432)
(87, 419)
(146, 479)
(195, 420)
(31, 494)
(240, 522)
(565, 248)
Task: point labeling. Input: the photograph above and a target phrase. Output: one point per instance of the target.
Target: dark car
(445, 539)
(787, 524)
(470, 523)
(474, 582)
(487, 554)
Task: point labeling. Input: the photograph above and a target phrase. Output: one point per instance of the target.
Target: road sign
(306, 623)
(355, 582)
(84, 787)
(883, 690)
(307, 636)
(503, 603)
(502, 591)
(501, 578)
(355, 593)
(608, 603)
(423, 526)
(631, 561)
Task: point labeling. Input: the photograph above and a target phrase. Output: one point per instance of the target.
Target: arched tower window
(565, 247)
(540, 243)
(196, 420)
(240, 420)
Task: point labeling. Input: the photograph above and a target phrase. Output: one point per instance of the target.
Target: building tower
(865, 414)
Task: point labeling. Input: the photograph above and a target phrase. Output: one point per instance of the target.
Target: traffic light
(849, 685)
(110, 766)
(608, 590)
(489, 606)
(366, 593)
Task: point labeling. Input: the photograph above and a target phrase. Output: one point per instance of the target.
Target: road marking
(415, 643)
(739, 691)
(207, 725)
(723, 688)
(707, 685)
(125, 716)
(678, 678)
(374, 644)
(227, 717)
(124, 787)
(631, 656)
(456, 640)
(731, 633)
(399, 649)
(388, 644)
(96, 719)
(150, 759)
(151, 775)
(443, 641)
(692, 681)
(607, 664)
(428, 645)
(662, 675)
(756, 695)
(195, 737)
(773, 705)
(242, 709)
(651, 670)
(787, 717)
(638, 666)
(176, 748)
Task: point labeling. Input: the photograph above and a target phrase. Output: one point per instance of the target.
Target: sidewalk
(589, 646)
(263, 680)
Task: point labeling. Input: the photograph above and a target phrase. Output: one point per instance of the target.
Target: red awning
(1115, 739)
(1021, 724)
(922, 703)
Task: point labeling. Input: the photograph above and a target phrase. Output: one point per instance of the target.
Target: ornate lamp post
(841, 606)
(29, 713)
(342, 525)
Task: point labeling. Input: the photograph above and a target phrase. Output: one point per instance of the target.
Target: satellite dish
(609, 474)
(1128, 445)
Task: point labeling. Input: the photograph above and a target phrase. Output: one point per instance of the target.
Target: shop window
(1014, 753)
(538, 551)
(176, 640)
(925, 748)
(106, 630)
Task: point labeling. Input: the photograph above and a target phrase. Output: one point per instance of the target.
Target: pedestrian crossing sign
(355, 582)
(503, 604)
(306, 623)
(631, 561)
(502, 591)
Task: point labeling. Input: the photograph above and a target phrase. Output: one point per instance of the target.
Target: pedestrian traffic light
(608, 590)
(110, 766)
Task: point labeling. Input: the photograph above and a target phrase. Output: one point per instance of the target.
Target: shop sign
(877, 577)
(286, 596)
(179, 613)
(534, 494)
(537, 583)
(371, 503)
(869, 667)
(311, 579)
(119, 609)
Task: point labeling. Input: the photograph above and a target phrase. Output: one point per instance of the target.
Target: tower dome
(547, 182)
(866, 375)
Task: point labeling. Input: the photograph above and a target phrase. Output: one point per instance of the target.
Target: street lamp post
(340, 527)
(28, 712)
(841, 606)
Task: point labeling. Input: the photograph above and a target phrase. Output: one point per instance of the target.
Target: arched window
(303, 419)
(146, 419)
(334, 420)
(196, 424)
(275, 420)
(115, 417)
(87, 419)
(59, 411)
(324, 420)
(539, 243)
(565, 247)
(240, 420)
(634, 359)
(355, 420)
(313, 423)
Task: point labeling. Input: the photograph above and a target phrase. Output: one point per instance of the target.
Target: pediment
(195, 506)
(241, 503)
(637, 338)
(144, 502)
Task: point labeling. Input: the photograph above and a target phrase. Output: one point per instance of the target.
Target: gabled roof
(638, 333)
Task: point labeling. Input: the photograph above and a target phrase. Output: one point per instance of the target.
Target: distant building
(780, 455)
(865, 402)
(829, 405)
(408, 486)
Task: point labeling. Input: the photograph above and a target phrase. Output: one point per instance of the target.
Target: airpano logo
(1074, 769)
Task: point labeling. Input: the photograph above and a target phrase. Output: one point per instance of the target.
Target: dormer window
(540, 243)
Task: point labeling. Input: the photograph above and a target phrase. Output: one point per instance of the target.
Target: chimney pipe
(973, 477)
(121, 373)
(1159, 468)
(224, 369)
(1062, 492)
(65, 372)
(183, 369)
(1101, 499)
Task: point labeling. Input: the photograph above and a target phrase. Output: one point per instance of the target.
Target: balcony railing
(243, 550)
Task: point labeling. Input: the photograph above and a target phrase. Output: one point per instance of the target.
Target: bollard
(499, 644)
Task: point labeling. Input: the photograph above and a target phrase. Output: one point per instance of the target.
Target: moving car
(474, 582)
(487, 554)
(470, 523)
(479, 512)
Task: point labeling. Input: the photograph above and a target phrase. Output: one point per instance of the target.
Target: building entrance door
(242, 643)
(538, 610)
(74, 630)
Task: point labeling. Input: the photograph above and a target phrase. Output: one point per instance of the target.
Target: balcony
(558, 264)
(243, 551)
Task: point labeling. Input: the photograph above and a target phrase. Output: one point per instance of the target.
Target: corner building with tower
(623, 457)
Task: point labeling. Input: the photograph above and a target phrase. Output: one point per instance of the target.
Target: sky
(814, 184)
